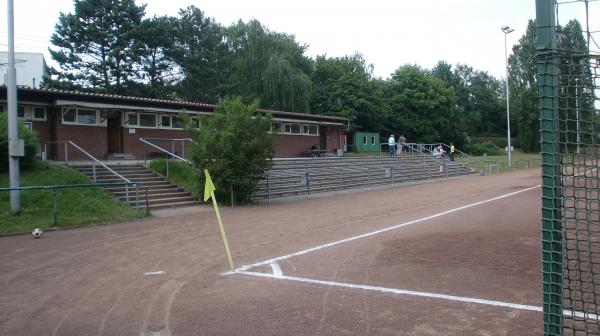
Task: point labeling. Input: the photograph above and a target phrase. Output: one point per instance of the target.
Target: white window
(277, 128)
(310, 129)
(39, 113)
(365, 142)
(372, 140)
(21, 111)
(165, 121)
(80, 116)
(86, 117)
(69, 116)
(147, 120)
(28, 125)
(195, 122)
(131, 119)
(177, 122)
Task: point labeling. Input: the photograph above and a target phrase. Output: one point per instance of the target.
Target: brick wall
(295, 145)
(133, 145)
(93, 139)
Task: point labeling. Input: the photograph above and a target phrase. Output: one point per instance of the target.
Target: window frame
(145, 114)
(75, 110)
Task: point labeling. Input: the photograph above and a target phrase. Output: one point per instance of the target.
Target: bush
(487, 147)
(236, 146)
(31, 142)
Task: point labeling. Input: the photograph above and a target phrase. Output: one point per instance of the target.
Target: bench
(314, 152)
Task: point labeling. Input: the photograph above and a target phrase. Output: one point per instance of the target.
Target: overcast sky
(388, 33)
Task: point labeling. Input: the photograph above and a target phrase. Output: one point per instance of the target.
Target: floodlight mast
(507, 30)
(15, 145)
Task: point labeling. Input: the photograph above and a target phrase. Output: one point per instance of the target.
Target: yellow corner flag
(209, 187)
(209, 192)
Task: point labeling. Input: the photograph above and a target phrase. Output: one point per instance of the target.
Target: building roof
(56, 94)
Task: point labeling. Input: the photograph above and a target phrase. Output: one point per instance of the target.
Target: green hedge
(31, 142)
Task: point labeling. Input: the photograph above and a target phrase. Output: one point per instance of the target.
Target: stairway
(288, 177)
(161, 193)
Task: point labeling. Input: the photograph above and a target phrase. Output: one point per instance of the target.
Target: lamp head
(507, 29)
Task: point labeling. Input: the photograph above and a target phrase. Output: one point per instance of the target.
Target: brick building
(106, 124)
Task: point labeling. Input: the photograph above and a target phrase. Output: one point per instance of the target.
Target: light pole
(15, 145)
(507, 30)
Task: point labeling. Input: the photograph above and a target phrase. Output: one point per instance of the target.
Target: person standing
(402, 141)
(392, 145)
(451, 152)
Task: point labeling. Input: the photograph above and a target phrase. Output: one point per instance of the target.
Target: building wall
(92, 139)
(288, 145)
(132, 144)
(30, 69)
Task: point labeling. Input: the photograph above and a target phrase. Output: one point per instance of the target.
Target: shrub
(31, 143)
(487, 147)
(236, 146)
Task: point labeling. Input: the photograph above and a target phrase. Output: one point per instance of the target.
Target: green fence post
(54, 208)
(552, 258)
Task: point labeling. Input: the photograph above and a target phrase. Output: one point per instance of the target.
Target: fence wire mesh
(568, 89)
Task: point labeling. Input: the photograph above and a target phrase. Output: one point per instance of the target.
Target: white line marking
(398, 291)
(276, 270)
(312, 249)
(154, 273)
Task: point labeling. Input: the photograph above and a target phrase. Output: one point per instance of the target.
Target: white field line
(396, 291)
(369, 234)
(154, 273)
(276, 270)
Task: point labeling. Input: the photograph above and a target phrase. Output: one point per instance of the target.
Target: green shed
(366, 142)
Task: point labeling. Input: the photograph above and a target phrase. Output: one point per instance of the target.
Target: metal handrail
(145, 140)
(55, 187)
(94, 160)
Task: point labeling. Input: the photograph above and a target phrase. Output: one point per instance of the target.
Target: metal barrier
(57, 187)
(168, 154)
(94, 163)
(374, 176)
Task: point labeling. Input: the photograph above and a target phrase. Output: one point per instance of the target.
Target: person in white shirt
(392, 145)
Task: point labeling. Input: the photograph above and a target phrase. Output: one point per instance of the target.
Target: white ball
(37, 233)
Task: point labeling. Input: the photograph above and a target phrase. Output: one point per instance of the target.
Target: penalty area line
(397, 291)
(369, 234)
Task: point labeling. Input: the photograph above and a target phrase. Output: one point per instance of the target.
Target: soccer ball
(37, 233)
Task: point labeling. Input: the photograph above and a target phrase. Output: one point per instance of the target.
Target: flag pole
(209, 192)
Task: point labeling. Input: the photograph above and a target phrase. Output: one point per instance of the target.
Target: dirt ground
(168, 276)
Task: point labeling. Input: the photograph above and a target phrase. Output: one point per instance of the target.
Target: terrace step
(161, 193)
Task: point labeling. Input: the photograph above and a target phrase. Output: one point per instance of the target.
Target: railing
(338, 177)
(168, 154)
(55, 188)
(94, 163)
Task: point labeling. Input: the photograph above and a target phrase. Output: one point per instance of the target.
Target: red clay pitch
(92, 281)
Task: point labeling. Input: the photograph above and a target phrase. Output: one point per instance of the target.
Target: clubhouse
(107, 125)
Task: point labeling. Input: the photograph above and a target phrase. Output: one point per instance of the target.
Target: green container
(366, 142)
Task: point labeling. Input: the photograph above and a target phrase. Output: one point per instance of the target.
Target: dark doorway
(323, 137)
(113, 126)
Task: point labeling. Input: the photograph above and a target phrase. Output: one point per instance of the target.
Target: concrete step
(175, 205)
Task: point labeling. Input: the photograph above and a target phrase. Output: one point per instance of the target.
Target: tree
(523, 89)
(345, 87)
(479, 98)
(423, 107)
(269, 66)
(95, 46)
(201, 53)
(155, 72)
(236, 146)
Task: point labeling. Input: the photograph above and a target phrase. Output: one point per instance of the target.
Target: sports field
(455, 257)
